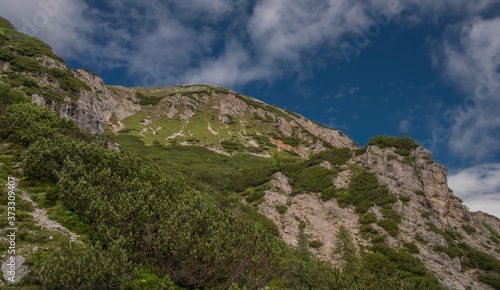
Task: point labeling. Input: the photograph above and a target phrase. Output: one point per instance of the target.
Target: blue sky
(428, 69)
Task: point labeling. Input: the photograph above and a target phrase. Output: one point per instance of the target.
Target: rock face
(322, 219)
(224, 113)
(92, 105)
(14, 270)
(416, 177)
(93, 108)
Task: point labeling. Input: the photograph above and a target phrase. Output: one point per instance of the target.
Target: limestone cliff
(428, 202)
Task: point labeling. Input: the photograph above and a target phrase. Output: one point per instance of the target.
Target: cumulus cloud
(216, 41)
(479, 187)
(469, 59)
(211, 41)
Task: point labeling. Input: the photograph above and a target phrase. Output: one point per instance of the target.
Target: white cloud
(331, 110)
(218, 42)
(353, 90)
(171, 42)
(404, 126)
(479, 187)
(470, 61)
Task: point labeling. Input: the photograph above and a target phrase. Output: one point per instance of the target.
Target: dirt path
(42, 220)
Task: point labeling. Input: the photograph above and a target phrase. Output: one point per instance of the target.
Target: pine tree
(345, 250)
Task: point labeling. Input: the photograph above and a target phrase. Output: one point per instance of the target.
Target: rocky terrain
(426, 218)
(425, 185)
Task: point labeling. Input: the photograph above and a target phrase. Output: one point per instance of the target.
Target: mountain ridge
(315, 180)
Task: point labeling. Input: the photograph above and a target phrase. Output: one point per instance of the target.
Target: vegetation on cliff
(159, 215)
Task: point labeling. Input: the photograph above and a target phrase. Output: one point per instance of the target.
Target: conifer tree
(345, 250)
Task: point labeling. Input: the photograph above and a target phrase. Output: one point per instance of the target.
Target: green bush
(404, 199)
(419, 192)
(391, 157)
(412, 248)
(420, 240)
(86, 267)
(469, 229)
(367, 230)
(72, 84)
(313, 179)
(390, 213)
(10, 97)
(492, 230)
(17, 80)
(378, 239)
(480, 260)
(360, 151)
(330, 192)
(292, 141)
(147, 100)
(45, 158)
(281, 208)
(121, 197)
(255, 195)
(25, 123)
(6, 55)
(231, 146)
(315, 244)
(252, 149)
(22, 64)
(335, 156)
(402, 152)
(364, 190)
(390, 226)
(490, 280)
(368, 218)
(409, 160)
(452, 251)
(395, 142)
(388, 262)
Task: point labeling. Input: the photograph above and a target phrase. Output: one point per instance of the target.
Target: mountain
(199, 186)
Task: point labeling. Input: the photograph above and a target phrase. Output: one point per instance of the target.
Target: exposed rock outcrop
(14, 269)
(415, 177)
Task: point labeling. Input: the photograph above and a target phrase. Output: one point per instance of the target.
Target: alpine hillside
(198, 186)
